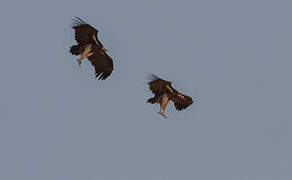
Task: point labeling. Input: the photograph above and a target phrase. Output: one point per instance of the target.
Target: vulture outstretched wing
(181, 101)
(85, 33)
(102, 63)
(159, 86)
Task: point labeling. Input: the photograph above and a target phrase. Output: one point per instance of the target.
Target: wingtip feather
(78, 22)
(152, 77)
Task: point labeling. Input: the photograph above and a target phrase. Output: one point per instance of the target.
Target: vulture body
(164, 93)
(91, 48)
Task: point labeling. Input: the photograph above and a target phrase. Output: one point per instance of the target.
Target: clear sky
(58, 123)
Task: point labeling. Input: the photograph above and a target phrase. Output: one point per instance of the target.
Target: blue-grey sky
(59, 123)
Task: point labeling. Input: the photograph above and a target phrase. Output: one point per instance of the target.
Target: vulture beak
(104, 49)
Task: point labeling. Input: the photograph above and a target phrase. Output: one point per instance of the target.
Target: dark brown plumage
(91, 48)
(164, 93)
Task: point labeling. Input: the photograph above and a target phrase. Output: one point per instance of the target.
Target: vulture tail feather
(152, 100)
(75, 50)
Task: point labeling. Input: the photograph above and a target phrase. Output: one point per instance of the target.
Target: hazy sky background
(59, 123)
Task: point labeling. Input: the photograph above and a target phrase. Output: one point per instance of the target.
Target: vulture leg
(164, 103)
(86, 53)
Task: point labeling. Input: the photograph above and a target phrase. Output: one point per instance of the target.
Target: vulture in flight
(88, 46)
(164, 93)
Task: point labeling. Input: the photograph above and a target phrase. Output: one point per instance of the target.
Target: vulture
(164, 93)
(88, 46)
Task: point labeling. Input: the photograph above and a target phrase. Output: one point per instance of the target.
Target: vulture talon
(162, 114)
(79, 62)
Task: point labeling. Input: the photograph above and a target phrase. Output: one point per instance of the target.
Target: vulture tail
(152, 100)
(75, 50)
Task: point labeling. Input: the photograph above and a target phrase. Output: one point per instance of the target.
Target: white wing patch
(167, 86)
(94, 38)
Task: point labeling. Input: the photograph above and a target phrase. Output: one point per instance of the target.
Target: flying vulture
(164, 93)
(91, 48)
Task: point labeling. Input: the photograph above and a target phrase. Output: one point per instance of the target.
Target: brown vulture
(91, 48)
(164, 93)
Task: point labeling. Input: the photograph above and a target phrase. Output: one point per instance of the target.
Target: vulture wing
(159, 86)
(84, 33)
(181, 101)
(102, 63)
